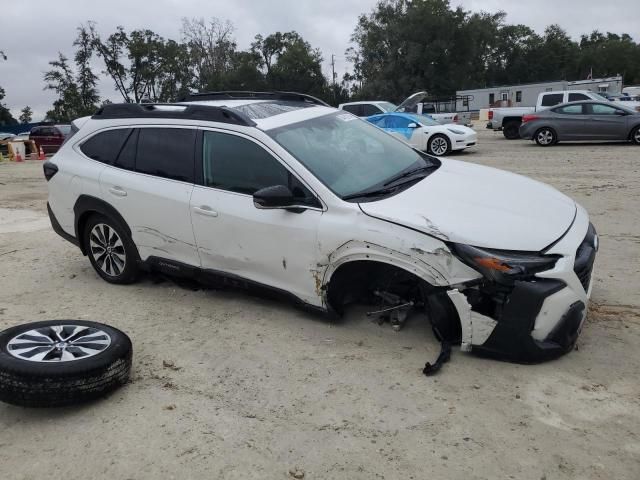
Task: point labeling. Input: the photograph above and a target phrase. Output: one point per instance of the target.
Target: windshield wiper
(370, 193)
(409, 174)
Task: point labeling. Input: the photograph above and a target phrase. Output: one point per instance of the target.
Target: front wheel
(439, 145)
(635, 135)
(110, 250)
(545, 137)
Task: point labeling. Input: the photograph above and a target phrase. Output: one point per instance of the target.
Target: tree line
(399, 47)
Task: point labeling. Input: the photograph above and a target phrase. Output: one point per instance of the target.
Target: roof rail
(173, 110)
(249, 95)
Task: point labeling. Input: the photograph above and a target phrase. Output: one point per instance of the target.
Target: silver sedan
(586, 120)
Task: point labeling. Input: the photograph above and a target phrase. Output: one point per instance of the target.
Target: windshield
(347, 154)
(388, 106)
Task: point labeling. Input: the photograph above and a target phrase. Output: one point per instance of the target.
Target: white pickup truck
(508, 119)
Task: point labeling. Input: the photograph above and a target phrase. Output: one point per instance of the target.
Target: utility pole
(333, 75)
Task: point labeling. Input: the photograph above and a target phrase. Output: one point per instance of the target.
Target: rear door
(604, 123)
(569, 121)
(150, 184)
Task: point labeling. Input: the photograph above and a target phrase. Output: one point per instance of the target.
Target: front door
(605, 124)
(277, 248)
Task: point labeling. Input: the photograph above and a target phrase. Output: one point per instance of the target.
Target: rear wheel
(545, 137)
(110, 250)
(635, 135)
(511, 130)
(439, 145)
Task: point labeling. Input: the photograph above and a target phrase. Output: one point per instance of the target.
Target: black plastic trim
(88, 204)
(218, 278)
(59, 230)
(511, 338)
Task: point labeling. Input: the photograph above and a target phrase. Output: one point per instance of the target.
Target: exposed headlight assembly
(504, 266)
(457, 132)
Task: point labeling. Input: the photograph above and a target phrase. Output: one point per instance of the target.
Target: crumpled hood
(481, 206)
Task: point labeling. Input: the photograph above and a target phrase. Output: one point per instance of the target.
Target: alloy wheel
(439, 146)
(545, 137)
(636, 136)
(107, 249)
(58, 343)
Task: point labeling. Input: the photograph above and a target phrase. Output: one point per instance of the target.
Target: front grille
(585, 256)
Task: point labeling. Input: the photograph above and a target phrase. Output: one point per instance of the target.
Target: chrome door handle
(205, 210)
(118, 191)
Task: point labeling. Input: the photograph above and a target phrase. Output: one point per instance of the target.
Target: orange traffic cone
(41, 154)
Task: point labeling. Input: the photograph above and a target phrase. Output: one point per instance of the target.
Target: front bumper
(464, 141)
(538, 319)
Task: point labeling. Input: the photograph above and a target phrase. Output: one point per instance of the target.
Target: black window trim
(199, 173)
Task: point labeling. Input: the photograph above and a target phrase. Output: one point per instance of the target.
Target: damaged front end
(514, 313)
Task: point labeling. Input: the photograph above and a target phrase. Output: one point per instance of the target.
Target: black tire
(432, 145)
(545, 137)
(120, 273)
(635, 136)
(52, 383)
(511, 130)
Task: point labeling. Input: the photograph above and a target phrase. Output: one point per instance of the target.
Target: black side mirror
(277, 196)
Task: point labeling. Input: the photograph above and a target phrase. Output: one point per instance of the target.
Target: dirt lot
(226, 385)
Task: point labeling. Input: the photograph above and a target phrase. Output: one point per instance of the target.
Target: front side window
(166, 152)
(395, 121)
(348, 155)
(600, 109)
(574, 97)
(236, 164)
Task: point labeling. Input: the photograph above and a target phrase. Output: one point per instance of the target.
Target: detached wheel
(635, 136)
(439, 145)
(62, 362)
(545, 137)
(110, 250)
(511, 130)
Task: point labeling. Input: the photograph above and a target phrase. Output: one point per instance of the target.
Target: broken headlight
(504, 266)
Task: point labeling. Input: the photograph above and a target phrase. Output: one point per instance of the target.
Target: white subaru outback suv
(281, 192)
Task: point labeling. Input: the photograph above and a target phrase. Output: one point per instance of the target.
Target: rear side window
(105, 147)
(236, 164)
(569, 109)
(166, 152)
(574, 97)
(551, 99)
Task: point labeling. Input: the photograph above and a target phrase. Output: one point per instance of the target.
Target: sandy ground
(257, 388)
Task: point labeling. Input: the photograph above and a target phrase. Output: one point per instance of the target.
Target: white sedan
(426, 134)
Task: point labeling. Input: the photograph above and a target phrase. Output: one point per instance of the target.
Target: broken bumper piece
(534, 320)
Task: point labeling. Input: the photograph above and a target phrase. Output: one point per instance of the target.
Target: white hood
(481, 206)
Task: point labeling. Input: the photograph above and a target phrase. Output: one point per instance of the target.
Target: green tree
(26, 115)
(5, 114)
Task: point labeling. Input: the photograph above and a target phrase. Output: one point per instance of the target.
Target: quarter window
(105, 147)
(166, 152)
(239, 165)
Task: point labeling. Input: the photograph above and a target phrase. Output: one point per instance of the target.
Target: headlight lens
(457, 132)
(504, 266)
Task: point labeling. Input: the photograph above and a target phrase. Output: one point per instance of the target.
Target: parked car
(582, 121)
(425, 134)
(280, 192)
(49, 137)
(413, 104)
(6, 136)
(509, 119)
(367, 108)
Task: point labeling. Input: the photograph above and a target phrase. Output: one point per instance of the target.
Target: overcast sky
(33, 31)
